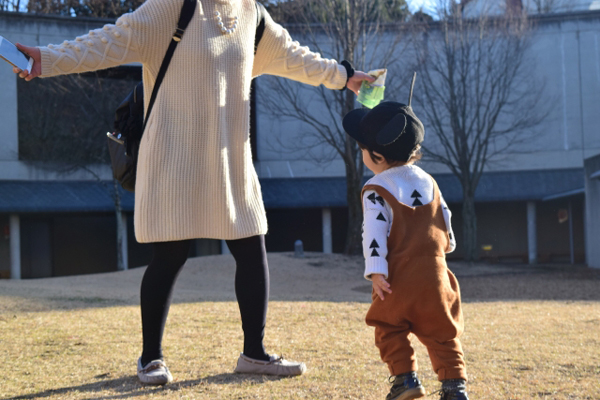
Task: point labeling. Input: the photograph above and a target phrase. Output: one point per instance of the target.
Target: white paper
(380, 74)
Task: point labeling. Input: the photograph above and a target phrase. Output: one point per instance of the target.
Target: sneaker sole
(247, 365)
(415, 393)
(156, 381)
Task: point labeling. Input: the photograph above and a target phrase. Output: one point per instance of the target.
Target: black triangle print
(380, 200)
(450, 236)
(417, 202)
(374, 244)
(375, 253)
(372, 198)
(381, 217)
(415, 194)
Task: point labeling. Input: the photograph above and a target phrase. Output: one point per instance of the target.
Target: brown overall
(425, 298)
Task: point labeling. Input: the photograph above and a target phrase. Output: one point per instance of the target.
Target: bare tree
(475, 7)
(82, 8)
(12, 5)
(549, 6)
(478, 95)
(339, 29)
(63, 124)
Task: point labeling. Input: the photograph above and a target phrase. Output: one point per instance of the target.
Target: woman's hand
(380, 285)
(356, 80)
(35, 53)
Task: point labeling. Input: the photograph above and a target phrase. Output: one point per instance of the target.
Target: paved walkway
(317, 277)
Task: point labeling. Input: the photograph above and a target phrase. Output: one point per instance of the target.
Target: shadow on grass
(130, 387)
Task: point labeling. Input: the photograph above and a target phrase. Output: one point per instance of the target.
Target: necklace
(225, 30)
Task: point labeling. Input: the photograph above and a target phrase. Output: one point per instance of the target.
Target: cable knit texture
(195, 176)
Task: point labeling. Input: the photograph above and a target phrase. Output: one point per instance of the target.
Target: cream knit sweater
(195, 176)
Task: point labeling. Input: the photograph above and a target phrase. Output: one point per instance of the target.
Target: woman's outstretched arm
(279, 55)
(139, 36)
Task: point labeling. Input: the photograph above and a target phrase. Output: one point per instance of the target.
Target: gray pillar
(531, 232)
(224, 248)
(327, 246)
(571, 240)
(124, 243)
(15, 247)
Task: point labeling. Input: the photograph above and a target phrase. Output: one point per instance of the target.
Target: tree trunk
(354, 172)
(353, 233)
(469, 226)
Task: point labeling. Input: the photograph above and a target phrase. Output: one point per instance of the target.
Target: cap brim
(351, 123)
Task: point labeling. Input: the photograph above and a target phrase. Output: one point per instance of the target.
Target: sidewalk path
(317, 277)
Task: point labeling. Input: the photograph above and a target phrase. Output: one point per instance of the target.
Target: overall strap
(187, 12)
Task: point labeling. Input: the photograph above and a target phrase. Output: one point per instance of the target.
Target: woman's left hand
(356, 80)
(37, 62)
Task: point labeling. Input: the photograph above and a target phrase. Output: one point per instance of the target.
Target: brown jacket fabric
(425, 298)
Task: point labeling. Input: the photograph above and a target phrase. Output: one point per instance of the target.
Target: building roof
(493, 186)
(60, 196)
(94, 196)
(516, 186)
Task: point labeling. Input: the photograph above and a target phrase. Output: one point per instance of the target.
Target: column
(531, 232)
(124, 242)
(571, 240)
(15, 247)
(326, 217)
(224, 248)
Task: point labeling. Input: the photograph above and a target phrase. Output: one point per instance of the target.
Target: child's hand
(380, 285)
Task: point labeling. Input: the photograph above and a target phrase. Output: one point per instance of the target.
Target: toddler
(406, 233)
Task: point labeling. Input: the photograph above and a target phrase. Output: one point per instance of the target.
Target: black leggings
(251, 289)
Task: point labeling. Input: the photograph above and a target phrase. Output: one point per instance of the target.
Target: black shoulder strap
(260, 24)
(187, 12)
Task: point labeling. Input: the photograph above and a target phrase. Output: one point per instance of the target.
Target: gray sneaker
(275, 366)
(154, 373)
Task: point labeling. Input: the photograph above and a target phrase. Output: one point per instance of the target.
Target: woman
(195, 177)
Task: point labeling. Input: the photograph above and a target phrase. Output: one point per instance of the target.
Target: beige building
(531, 205)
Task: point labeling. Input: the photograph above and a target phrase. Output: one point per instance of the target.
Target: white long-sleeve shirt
(411, 186)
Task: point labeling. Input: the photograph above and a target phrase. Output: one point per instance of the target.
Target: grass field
(86, 348)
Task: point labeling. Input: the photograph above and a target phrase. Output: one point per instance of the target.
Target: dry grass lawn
(85, 347)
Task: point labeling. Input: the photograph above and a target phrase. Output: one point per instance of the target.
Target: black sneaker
(405, 387)
(454, 389)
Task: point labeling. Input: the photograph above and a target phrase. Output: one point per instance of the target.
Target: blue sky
(416, 5)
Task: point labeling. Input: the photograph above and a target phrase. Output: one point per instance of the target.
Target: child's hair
(415, 156)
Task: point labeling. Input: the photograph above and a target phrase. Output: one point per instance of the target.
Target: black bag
(129, 125)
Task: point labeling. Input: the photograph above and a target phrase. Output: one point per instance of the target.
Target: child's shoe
(454, 389)
(405, 387)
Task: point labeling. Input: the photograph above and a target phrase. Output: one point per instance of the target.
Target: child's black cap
(391, 129)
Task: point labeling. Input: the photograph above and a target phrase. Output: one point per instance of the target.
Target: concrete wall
(33, 31)
(499, 6)
(592, 211)
(566, 53)
(565, 57)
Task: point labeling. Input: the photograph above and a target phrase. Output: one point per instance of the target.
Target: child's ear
(380, 158)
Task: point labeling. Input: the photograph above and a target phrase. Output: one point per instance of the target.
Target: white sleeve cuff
(376, 266)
